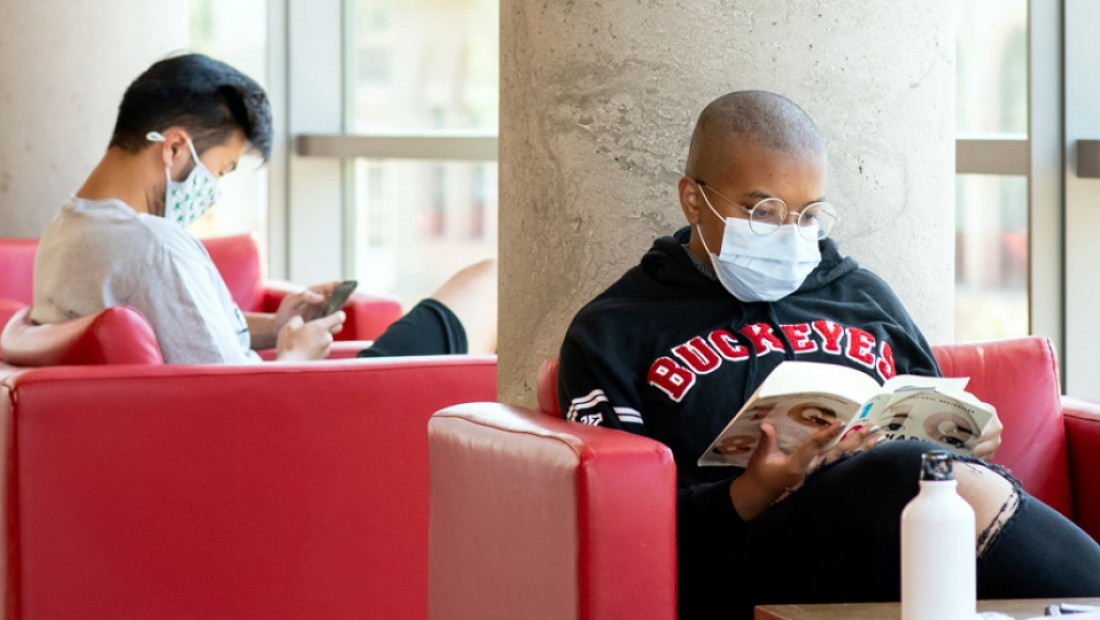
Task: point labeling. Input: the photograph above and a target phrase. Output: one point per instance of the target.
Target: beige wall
(63, 68)
(597, 104)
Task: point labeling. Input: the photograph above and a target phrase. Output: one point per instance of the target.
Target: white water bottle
(938, 547)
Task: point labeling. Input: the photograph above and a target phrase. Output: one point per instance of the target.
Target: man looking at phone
(122, 239)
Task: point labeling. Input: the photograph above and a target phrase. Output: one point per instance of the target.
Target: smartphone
(337, 299)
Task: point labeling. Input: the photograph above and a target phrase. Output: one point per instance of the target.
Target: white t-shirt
(101, 253)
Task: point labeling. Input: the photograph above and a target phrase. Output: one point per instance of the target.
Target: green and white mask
(185, 201)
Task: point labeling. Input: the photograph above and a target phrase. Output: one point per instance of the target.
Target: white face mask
(186, 201)
(756, 267)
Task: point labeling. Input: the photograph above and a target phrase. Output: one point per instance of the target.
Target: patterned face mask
(186, 201)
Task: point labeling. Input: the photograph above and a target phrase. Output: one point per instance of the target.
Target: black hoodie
(668, 353)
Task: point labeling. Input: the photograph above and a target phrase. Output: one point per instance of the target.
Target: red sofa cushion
(17, 267)
(1019, 377)
(237, 258)
(118, 335)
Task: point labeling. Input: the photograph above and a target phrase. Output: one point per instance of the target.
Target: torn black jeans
(837, 539)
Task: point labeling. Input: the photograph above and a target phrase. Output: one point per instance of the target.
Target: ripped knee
(993, 496)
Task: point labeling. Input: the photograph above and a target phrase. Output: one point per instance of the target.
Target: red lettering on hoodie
(727, 345)
(885, 366)
(671, 378)
(799, 336)
(762, 337)
(697, 355)
(861, 346)
(831, 334)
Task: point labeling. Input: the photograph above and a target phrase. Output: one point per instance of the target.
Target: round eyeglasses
(815, 221)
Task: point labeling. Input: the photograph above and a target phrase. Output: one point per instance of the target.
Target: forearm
(261, 327)
(750, 499)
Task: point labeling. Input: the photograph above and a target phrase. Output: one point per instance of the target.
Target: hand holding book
(800, 398)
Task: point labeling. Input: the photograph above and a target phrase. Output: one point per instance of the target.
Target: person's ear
(172, 150)
(691, 200)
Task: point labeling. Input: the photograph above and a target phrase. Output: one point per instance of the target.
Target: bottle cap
(937, 465)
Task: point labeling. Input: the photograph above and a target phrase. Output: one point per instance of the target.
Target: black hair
(206, 97)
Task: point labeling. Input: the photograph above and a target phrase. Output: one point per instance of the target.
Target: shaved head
(768, 119)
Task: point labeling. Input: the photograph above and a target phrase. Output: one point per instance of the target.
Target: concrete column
(597, 104)
(64, 65)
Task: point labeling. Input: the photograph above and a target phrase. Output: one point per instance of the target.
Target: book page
(801, 398)
(803, 377)
(904, 382)
(796, 418)
(952, 420)
(798, 399)
(900, 387)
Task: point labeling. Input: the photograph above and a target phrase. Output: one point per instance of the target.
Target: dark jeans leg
(1039, 553)
(838, 540)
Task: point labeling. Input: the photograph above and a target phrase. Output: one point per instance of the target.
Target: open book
(801, 398)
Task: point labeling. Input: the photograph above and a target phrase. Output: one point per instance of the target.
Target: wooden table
(1017, 608)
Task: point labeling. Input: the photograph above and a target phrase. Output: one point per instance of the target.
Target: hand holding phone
(337, 299)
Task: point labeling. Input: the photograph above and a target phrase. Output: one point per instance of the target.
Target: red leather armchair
(499, 551)
(268, 491)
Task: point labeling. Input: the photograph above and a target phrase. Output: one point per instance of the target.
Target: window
(991, 223)
(236, 33)
(423, 68)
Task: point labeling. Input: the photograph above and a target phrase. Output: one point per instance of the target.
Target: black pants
(430, 328)
(837, 539)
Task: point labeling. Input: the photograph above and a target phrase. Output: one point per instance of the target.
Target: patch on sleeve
(578, 408)
(586, 410)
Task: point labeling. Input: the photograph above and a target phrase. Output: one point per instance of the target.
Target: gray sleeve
(192, 323)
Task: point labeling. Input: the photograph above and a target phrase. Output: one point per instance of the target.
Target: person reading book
(679, 344)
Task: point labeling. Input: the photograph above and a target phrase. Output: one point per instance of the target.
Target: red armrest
(537, 517)
(118, 335)
(1082, 420)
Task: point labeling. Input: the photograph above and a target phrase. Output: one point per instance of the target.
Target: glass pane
(991, 70)
(417, 222)
(236, 33)
(421, 66)
(425, 65)
(991, 257)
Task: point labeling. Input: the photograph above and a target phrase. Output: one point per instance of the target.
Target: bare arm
(264, 327)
